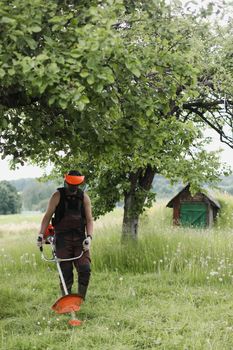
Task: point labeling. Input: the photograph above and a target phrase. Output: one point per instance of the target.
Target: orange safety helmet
(74, 178)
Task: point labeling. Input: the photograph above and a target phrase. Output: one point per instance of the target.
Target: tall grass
(171, 290)
(199, 254)
(225, 217)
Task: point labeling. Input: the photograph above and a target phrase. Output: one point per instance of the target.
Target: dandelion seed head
(213, 273)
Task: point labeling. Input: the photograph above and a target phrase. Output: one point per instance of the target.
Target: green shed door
(193, 214)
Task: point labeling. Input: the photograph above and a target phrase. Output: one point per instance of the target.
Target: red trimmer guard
(67, 303)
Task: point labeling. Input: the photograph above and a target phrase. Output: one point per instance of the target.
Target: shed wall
(186, 196)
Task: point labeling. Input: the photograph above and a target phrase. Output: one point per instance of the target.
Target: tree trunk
(130, 220)
(134, 200)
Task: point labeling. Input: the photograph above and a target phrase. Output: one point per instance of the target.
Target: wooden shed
(199, 210)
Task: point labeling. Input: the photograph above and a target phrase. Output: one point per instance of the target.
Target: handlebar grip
(39, 239)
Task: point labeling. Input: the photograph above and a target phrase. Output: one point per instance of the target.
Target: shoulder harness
(64, 199)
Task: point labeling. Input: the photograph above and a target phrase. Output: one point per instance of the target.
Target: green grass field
(170, 290)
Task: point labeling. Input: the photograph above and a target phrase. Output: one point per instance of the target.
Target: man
(73, 225)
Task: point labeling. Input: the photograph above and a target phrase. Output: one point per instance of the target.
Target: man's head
(72, 179)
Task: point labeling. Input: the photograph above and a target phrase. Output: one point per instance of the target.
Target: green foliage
(105, 89)
(10, 200)
(63, 60)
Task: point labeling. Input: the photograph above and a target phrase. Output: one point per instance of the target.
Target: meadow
(173, 289)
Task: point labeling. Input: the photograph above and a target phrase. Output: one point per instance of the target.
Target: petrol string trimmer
(69, 303)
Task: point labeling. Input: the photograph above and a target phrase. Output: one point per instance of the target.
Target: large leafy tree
(121, 89)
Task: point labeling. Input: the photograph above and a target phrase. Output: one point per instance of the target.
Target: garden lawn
(122, 311)
(170, 290)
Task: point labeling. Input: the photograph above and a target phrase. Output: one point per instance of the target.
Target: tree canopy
(122, 90)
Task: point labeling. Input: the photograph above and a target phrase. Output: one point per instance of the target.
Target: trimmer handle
(50, 240)
(39, 239)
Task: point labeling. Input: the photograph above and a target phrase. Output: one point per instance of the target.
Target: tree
(10, 199)
(121, 89)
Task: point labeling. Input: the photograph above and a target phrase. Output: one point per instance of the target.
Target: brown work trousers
(69, 245)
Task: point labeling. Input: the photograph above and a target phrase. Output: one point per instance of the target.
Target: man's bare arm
(88, 214)
(53, 202)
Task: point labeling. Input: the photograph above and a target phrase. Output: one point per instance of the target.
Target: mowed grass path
(121, 312)
(172, 290)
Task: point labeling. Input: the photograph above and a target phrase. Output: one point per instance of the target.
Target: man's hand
(87, 243)
(40, 241)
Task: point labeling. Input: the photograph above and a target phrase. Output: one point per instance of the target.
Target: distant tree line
(32, 195)
(10, 199)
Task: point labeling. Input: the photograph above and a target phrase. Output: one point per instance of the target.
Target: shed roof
(213, 201)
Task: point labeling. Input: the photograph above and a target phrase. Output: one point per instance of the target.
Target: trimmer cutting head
(67, 303)
(75, 323)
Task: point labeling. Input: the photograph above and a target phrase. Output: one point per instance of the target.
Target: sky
(227, 152)
(30, 171)
(27, 171)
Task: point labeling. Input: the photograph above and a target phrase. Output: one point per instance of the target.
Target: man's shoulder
(56, 196)
(86, 197)
(60, 192)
